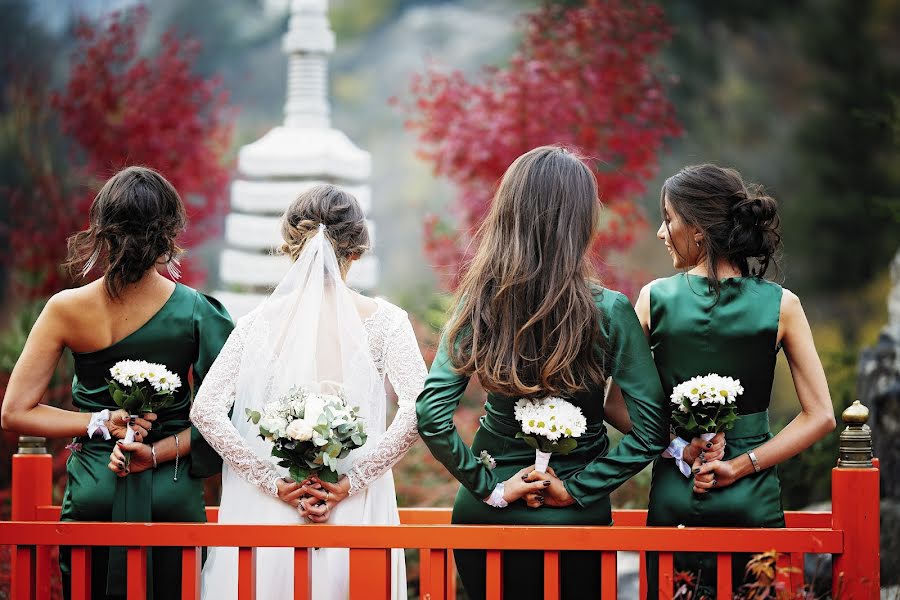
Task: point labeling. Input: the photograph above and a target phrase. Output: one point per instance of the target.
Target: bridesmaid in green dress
(722, 317)
(132, 312)
(530, 323)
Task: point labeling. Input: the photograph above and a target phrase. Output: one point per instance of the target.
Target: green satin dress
(186, 334)
(590, 472)
(692, 333)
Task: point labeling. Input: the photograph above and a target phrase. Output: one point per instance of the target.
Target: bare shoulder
(366, 306)
(790, 305)
(74, 303)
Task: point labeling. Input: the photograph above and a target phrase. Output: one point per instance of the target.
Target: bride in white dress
(312, 331)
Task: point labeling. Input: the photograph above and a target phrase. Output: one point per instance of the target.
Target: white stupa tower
(303, 152)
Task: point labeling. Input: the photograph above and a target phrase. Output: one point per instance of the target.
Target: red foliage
(582, 77)
(127, 109)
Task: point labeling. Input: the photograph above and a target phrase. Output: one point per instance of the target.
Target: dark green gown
(590, 472)
(692, 333)
(186, 333)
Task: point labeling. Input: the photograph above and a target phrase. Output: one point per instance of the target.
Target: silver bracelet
(153, 454)
(176, 457)
(754, 461)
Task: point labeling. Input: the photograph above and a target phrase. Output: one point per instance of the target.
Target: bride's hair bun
(338, 210)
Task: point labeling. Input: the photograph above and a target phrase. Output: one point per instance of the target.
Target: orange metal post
(246, 573)
(137, 573)
(855, 511)
(609, 575)
(723, 575)
(666, 566)
(23, 573)
(494, 579)
(551, 575)
(190, 572)
(81, 573)
(370, 574)
(301, 574)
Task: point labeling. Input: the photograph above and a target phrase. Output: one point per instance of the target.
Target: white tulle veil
(307, 333)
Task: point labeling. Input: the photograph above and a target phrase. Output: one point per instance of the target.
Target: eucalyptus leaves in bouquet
(310, 431)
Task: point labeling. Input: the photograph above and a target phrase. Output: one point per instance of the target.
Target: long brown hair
(134, 221)
(739, 221)
(526, 322)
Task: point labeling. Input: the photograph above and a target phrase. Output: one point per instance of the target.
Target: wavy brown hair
(133, 223)
(526, 321)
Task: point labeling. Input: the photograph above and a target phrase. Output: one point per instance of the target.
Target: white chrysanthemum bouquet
(549, 425)
(141, 387)
(310, 431)
(705, 406)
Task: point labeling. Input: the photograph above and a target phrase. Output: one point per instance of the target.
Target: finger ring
(327, 493)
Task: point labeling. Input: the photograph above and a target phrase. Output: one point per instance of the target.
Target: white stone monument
(303, 152)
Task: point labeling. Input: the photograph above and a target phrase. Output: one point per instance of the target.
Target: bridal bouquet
(140, 387)
(704, 406)
(310, 431)
(549, 425)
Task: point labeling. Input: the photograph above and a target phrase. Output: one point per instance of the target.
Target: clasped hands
(141, 457)
(313, 498)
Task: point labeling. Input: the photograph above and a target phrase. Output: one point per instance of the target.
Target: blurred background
(802, 97)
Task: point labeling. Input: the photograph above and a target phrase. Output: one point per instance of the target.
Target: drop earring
(173, 266)
(90, 263)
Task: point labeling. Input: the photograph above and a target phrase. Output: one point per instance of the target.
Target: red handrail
(849, 532)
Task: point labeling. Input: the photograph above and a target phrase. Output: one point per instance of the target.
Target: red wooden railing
(850, 533)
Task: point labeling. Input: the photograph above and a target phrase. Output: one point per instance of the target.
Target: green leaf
(328, 475)
(566, 445)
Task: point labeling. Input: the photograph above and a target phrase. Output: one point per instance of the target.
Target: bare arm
(22, 411)
(816, 418)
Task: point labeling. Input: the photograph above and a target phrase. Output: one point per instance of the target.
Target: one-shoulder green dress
(185, 335)
(590, 472)
(692, 332)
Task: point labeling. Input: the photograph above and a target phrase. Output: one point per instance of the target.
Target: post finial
(32, 445)
(856, 439)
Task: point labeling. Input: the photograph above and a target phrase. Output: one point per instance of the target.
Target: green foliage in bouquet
(539, 442)
(306, 448)
(703, 418)
(138, 399)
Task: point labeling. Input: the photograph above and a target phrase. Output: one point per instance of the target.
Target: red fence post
(32, 486)
(855, 511)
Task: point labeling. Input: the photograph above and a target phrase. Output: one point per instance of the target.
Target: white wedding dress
(258, 362)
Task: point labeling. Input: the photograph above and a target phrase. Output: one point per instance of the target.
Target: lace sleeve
(406, 371)
(209, 414)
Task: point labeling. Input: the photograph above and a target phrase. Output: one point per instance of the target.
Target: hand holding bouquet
(310, 431)
(141, 387)
(549, 425)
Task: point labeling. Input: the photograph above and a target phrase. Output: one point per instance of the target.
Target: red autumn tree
(583, 77)
(123, 109)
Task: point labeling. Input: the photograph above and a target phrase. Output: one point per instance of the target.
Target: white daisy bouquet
(549, 425)
(705, 406)
(141, 387)
(310, 431)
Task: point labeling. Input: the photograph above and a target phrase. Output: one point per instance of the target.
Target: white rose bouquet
(141, 387)
(310, 431)
(705, 406)
(549, 425)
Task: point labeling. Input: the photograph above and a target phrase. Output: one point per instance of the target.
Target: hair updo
(344, 220)
(133, 222)
(739, 222)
